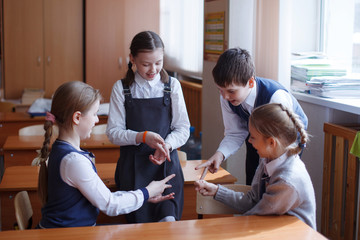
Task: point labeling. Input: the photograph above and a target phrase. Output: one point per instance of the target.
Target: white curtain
(181, 29)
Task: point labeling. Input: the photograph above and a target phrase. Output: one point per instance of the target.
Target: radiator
(192, 95)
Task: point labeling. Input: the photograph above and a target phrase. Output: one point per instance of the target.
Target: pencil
(204, 173)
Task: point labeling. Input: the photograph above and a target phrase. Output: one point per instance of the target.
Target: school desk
(19, 178)
(11, 122)
(21, 150)
(241, 227)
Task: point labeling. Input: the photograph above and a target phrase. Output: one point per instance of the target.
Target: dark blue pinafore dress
(134, 169)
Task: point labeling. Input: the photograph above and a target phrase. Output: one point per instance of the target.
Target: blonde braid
(304, 138)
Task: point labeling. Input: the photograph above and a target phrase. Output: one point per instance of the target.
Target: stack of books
(334, 87)
(303, 71)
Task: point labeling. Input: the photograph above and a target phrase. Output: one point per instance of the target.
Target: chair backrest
(7, 107)
(99, 129)
(23, 210)
(182, 155)
(37, 130)
(208, 205)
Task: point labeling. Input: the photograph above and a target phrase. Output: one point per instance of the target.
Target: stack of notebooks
(334, 87)
(322, 78)
(304, 72)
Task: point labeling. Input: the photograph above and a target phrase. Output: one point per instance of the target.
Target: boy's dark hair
(233, 66)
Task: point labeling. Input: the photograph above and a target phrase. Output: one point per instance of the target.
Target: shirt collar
(250, 100)
(271, 166)
(142, 82)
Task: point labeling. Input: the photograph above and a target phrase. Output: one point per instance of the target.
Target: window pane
(356, 39)
(341, 32)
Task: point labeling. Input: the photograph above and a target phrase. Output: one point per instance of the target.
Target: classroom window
(181, 29)
(341, 27)
(328, 26)
(326, 48)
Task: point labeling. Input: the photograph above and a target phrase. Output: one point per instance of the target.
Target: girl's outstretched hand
(160, 198)
(156, 188)
(205, 188)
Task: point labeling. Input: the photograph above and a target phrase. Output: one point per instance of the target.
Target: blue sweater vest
(265, 89)
(66, 206)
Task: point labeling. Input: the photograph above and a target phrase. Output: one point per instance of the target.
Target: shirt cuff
(146, 193)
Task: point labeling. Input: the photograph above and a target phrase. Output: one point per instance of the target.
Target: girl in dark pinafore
(148, 119)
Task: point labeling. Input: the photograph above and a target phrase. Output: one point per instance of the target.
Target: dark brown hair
(69, 98)
(146, 41)
(233, 66)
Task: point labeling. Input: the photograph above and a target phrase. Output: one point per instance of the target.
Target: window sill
(350, 105)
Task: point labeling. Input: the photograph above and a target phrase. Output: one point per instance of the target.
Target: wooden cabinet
(43, 44)
(110, 27)
(105, 61)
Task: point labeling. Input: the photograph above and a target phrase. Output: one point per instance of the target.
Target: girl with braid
(281, 183)
(69, 186)
(149, 121)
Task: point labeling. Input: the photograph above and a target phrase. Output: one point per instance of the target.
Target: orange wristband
(144, 135)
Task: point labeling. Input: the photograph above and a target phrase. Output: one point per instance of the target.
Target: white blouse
(76, 170)
(141, 88)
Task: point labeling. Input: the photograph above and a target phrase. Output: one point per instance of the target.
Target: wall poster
(214, 35)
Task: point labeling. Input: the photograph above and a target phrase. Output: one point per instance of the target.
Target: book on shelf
(316, 70)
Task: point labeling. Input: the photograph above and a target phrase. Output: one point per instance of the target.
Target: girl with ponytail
(149, 121)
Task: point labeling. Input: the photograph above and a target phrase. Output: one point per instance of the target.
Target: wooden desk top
(191, 175)
(18, 178)
(35, 142)
(243, 227)
(7, 117)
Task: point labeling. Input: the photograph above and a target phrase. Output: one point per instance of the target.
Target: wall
(238, 35)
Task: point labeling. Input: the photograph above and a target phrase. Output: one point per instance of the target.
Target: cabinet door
(23, 46)
(105, 59)
(63, 29)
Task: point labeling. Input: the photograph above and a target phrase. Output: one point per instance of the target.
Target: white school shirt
(76, 170)
(141, 88)
(236, 129)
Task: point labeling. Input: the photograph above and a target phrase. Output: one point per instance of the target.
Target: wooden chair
(36, 130)
(182, 155)
(23, 210)
(7, 107)
(208, 205)
(99, 129)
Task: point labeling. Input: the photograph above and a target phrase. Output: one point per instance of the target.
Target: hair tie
(302, 145)
(50, 117)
